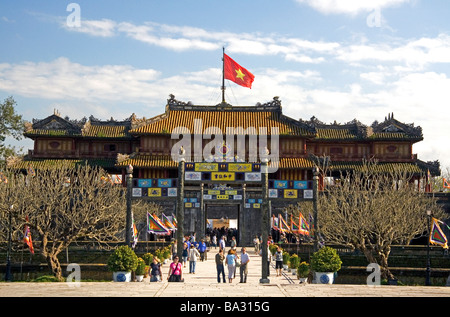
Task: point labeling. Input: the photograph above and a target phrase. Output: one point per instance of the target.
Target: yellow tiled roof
(222, 119)
(378, 168)
(166, 161)
(43, 164)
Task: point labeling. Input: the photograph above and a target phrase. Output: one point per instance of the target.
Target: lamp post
(264, 223)
(428, 270)
(315, 208)
(180, 203)
(8, 275)
(129, 194)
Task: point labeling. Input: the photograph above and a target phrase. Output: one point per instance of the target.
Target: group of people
(193, 252)
(232, 260)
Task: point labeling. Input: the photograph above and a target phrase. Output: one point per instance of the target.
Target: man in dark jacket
(219, 264)
(202, 250)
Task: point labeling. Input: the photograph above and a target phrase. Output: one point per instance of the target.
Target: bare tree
(370, 210)
(65, 204)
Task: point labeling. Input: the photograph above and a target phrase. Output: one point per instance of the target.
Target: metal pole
(8, 274)
(428, 270)
(264, 224)
(129, 194)
(315, 208)
(180, 208)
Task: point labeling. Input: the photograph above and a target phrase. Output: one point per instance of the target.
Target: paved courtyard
(204, 284)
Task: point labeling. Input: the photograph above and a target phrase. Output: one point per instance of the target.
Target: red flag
(236, 73)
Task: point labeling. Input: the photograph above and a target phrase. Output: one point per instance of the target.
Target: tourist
(222, 243)
(193, 255)
(231, 262)
(202, 250)
(233, 243)
(185, 253)
(256, 244)
(219, 264)
(243, 269)
(214, 241)
(156, 273)
(175, 271)
(278, 261)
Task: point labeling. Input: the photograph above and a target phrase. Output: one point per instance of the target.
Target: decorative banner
(308, 194)
(193, 176)
(188, 205)
(236, 167)
(172, 192)
(253, 177)
(143, 182)
(290, 193)
(282, 224)
(154, 192)
(256, 205)
(300, 184)
(206, 167)
(280, 184)
(437, 236)
(222, 176)
(155, 226)
(137, 192)
(167, 223)
(165, 182)
(303, 226)
(273, 193)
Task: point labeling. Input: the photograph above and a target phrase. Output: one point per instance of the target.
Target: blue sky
(337, 60)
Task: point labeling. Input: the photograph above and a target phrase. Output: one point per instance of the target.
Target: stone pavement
(204, 284)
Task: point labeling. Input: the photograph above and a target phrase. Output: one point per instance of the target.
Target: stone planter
(303, 280)
(139, 278)
(324, 277)
(122, 276)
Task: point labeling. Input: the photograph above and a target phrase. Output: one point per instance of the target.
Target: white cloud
(350, 7)
(102, 28)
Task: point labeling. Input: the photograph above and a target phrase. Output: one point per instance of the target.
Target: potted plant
(140, 270)
(303, 272)
(122, 262)
(148, 259)
(286, 258)
(166, 254)
(294, 263)
(325, 263)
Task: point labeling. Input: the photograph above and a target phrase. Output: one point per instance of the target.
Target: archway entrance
(223, 220)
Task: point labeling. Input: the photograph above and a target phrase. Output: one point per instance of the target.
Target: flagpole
(223, 74)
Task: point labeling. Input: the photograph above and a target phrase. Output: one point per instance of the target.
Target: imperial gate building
(222, 174)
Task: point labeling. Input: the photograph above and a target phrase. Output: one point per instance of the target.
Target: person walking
(202, 250)
(220, 257)
(214, 241)
(256, 244)
(222, 243)
(193, 255)
(233, 243)
(231, 262)
(278, 261)
(175, 271)
(243, 269)
(185, 254)
(156, 273)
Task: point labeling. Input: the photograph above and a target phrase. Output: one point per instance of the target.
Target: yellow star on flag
(239, 74)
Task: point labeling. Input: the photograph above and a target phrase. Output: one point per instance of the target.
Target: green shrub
(123, 259)
(286, 257)
(325, 260)
(294, 260)
(303, 270)
(140, 269)
(148, 258)
(46, 278)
